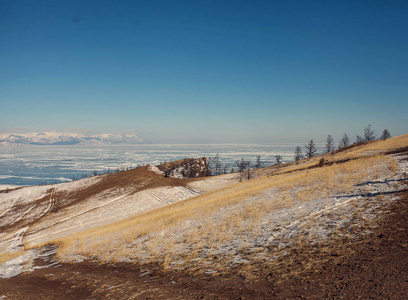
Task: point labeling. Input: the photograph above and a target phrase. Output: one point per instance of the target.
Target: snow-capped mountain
(56, 138)
(115, 139)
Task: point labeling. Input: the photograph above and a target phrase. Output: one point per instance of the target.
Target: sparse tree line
(244, 168)
(368, 135)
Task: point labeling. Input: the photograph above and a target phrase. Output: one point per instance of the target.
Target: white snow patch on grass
(16, 265)
(214, 183)
(26, 262)
(155, 170)
(99, 211)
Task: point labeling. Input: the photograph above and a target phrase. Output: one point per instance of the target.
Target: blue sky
(205, 71)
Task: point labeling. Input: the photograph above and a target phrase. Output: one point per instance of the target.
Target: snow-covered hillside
(57, 138)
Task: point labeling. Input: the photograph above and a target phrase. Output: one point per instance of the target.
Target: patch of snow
(102, 210)
(17, 265)
(8, 186)
(155, 170)
(209, 184)
(26, 262)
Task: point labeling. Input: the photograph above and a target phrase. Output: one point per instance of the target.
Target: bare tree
(225, 168)
(310, 149)
(385, 135)
(359, 139)
(258, 163)
(369, 134)
(329, 144)
(217, 164)
(278, 159)
(345, 141)
(214, 164)
(298, 154)
(242, 165)
(248, 171)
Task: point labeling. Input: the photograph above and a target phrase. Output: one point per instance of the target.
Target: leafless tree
(329, 144)
(310, 149)
(278, 159)
(242, 165)
(258, 163)
(214, 164)
(369, 134)
(344, 142)
(218, 164)
(359, 139)
(249, 171)
(385, 135)
(298, 154)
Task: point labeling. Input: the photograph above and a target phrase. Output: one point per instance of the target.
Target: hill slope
(249, 238)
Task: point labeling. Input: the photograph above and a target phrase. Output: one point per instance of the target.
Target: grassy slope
(153, 233)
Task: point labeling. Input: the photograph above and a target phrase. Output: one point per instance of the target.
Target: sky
(205, 71)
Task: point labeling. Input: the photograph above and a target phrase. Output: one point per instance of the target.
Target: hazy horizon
(320, 140)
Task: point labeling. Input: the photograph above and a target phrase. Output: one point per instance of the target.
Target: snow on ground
(16, 265)
(8, 187)
(28, 196)
(318, 219)
(17, 197)
(214, 183)
(315, 221)
(99, 211)
(155, 170)
(102, 209)
(25, 204)
(27, 262)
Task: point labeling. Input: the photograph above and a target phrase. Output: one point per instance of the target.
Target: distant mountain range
(56, 138)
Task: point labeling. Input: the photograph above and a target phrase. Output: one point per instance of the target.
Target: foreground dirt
(374, 266)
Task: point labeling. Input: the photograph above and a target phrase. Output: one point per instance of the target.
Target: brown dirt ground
(139, 179)
(374, 266)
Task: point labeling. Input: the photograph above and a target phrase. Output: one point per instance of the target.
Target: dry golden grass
(375, 147)
(314, 183)
(392, 143)
(10, 255)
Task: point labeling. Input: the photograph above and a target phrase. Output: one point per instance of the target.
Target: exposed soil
(139, 179)
(374, 266)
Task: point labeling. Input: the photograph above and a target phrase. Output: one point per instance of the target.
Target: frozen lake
(33, 165)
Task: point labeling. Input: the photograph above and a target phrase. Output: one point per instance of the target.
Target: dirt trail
(14, 232)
